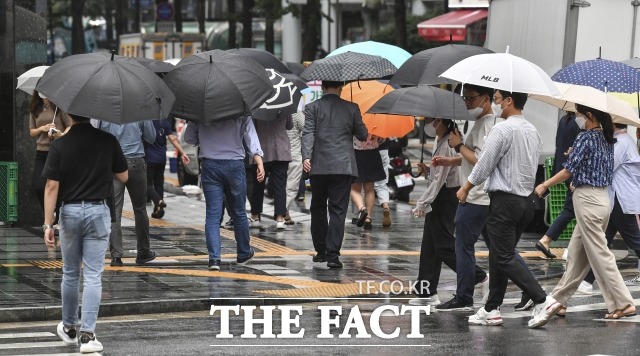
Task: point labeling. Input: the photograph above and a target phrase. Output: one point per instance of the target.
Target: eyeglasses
(469, 99)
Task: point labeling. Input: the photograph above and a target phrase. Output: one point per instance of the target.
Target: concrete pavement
(178, 280)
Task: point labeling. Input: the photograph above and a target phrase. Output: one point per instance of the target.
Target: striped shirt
(509, 159)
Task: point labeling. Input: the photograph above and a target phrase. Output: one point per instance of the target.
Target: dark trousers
(277, 172)
(329, 193)
(469, 221)
(509, 214)
(627, 225)
(562, 221)
(438, 241)
(155, 181)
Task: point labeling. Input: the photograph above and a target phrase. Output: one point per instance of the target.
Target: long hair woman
(590, 165)
(46, 128)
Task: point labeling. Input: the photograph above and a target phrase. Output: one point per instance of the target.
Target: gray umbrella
(425, 66)
(349, 66)
(217, 85)
(106, 87)
(634, 62)
(424, 101)
(155, 66)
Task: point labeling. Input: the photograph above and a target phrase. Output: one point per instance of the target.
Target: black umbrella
(296, 68)
(155, 66)
(264, 58)
(422, 101)
(106, 87)
(425, 67)
(349, 66)
(284, 101)
(216, 85)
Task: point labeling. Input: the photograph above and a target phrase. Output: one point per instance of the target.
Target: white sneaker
(585, 288)
(88, 345)
(69, 338)
(432, 300)
(633, 281)
(543, 312)
(481, 317)
(280, 225)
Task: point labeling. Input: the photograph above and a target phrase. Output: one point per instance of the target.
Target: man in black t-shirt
(81, 166)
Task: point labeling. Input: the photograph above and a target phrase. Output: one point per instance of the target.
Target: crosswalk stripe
(18, 335)
(28, 345)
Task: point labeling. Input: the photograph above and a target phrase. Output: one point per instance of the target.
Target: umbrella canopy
(27, 81)
(295, 67)
(394, 54)
(572, 94)
(284, 101)
(264, 58)
(217, 85)
(106, 87)
(426, 66)
(424, 101)
(155, 66)
(601, 74)
(349, 66)
(365, 94)
(502, 71)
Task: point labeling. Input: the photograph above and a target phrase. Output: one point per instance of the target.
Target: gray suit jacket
(327, 138)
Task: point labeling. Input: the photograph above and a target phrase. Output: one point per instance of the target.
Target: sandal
(362, 216)
(562, 312)
(287, 219)
(629, 310)
(367, 224)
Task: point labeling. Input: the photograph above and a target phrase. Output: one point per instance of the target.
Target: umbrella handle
(415, 175)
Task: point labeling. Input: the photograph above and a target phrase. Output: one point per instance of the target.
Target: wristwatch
(45, 227)
(457, 148)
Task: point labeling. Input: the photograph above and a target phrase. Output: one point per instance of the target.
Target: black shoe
(300, 198)
(540, 247)
(158, 211)
(525, 303)
(229, 224)
(243, 261)
(362, 215)
(214, 265)
(116, 262)
(334, 264)
(147, 257)
(455, 305)
(354, 221)
(367, 225)
(319, 258)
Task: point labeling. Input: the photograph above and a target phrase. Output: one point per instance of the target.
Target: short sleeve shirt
(591, 160)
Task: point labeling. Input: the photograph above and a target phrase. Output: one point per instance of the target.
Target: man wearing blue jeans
(84, 183)
(222, 150)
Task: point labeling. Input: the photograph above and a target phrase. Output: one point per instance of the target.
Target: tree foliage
(415, 43)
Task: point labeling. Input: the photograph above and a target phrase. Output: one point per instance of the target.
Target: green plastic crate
(555, 201)
(8, 191)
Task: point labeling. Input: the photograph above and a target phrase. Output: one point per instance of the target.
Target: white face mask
(497, 109)
(580, 121)
(430, 130)
(477, 111)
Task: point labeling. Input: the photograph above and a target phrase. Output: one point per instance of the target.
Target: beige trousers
(588, 249)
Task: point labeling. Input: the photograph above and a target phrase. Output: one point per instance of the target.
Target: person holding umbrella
(47, 123)
(79, 169)
(438, 206)
(590, 166)
(508, 163)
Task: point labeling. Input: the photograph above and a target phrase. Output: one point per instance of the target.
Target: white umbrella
(502, 71)
(173, 61)
(28, 80)
(571, 94)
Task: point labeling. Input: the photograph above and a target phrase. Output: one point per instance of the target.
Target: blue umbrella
(602, 74)
(393, 54)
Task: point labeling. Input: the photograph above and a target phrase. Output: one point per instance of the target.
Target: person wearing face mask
(438, 205)
(569, 127)
(508, 164)
(590, 165)
(470, 217)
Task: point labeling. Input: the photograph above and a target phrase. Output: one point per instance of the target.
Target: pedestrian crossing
(36, 343)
